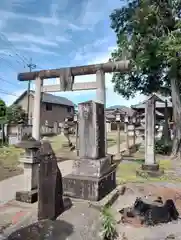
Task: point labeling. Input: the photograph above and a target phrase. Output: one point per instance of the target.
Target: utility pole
(31, 66)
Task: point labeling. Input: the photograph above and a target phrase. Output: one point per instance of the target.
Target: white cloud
(95, 11)
(87, 52)
(41, 19)
(36, 49)
(75, 27)
(29, 38)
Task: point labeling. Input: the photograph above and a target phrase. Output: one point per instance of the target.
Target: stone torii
(68, 74)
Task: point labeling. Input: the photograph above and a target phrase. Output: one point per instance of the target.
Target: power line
(7, 93)
(7, 62)
(4, 80)
(22, 58)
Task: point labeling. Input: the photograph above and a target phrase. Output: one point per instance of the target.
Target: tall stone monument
(150, 162)
(92, 176)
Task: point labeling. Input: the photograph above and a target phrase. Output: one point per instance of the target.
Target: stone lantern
(30, 160)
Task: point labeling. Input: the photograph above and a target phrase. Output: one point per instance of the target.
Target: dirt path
(10, 186)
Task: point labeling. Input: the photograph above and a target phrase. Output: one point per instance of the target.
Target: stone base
(27, 196)
(118, 157)
(146, 173)
(150, 167)
(89, 188)
(92, 167)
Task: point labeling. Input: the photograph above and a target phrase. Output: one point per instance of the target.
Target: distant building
(159, 106)
(111, 112)
(54, 109)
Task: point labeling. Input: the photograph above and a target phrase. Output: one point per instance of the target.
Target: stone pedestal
(93, 175)
(90, 188)
(30, 162)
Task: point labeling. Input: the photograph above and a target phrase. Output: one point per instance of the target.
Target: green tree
(3, 112)
(149, 34)
(15, 115)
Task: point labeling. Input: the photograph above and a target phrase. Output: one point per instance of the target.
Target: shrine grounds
(9, 155)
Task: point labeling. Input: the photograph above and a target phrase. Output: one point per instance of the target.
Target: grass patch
(111, 142)
(9, 155)
(57, 141)
(126, 172)
(9, 161)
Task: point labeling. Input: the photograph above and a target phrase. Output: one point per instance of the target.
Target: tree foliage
(15, 115)
(148, 33)
(2, 109)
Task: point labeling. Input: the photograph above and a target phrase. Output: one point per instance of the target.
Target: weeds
(108, 231)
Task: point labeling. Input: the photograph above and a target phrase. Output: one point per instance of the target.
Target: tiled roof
(50, 98)
(159, 104)
(122, 109)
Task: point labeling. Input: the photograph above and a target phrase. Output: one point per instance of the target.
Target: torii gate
(99, 84)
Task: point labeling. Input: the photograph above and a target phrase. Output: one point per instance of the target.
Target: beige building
(54, 109)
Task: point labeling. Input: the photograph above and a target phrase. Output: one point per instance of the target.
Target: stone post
(150, 163)
(108, 126)
(30, 160)
(126, 121)
(76, 122)
(118, 120)
(37, 109)
(118, 138)
(134, 135)
(134, 130)
(92, 176)
(50, 191)
(101, 94)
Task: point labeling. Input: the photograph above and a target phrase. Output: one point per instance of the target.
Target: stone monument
(150, 162)
(92, 176)
(50, 190)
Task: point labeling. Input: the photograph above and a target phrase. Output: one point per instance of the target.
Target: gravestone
(50, 191)
(92, 175)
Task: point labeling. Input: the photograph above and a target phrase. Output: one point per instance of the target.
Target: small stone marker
(50, 191)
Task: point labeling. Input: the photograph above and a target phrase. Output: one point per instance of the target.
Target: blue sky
(56, 34)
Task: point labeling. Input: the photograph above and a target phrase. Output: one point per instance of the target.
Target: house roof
(122, 109)
(156, 112)
(49, 98)
(160, 103)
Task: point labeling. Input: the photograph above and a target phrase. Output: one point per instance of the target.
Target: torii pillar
(37, 109)
(101, 95)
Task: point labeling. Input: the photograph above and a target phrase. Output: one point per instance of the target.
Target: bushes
(161, 147)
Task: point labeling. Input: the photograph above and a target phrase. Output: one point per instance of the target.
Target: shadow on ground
(45, 229)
